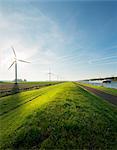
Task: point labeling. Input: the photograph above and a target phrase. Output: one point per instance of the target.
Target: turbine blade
(23, 61)
(11, 65)
(14, 51)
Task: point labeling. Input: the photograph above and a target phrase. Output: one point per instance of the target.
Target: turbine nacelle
(15, 58)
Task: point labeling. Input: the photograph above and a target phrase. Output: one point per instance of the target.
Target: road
(110, 98)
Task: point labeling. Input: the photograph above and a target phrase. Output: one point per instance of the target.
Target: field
(104, 89)
(62, 116)
(8, 88)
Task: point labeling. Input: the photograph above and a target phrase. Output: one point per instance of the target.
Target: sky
(76, 40)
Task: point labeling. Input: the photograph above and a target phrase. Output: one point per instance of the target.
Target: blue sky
(76, 39)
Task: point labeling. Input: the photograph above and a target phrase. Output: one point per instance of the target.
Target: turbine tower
(15, 62)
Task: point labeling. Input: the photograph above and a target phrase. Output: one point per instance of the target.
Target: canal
(113, 84)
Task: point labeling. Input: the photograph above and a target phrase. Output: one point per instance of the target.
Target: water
(113, 84)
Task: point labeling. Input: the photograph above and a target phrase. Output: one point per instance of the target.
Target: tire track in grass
(12, 109)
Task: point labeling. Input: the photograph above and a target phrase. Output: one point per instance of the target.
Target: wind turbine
(49, 74)
(15, 62)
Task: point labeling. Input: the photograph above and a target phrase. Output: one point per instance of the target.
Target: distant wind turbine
(49, 74)
(15, 62)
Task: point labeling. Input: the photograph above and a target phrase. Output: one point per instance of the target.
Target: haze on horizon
(76, 39)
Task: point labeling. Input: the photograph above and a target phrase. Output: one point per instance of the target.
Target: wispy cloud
(31, 35)
(102, 59)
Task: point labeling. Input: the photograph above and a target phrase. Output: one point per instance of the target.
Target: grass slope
(111, 91)
(64, 116)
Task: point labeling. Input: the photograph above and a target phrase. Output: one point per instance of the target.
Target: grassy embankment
(62, 116)
(111, 91)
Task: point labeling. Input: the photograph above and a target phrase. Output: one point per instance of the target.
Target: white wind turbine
(15, 62)
(50, 74)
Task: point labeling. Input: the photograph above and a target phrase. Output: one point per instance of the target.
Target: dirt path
(110, 98)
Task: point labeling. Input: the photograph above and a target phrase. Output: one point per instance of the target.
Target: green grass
(104, 89)
(63, 116)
